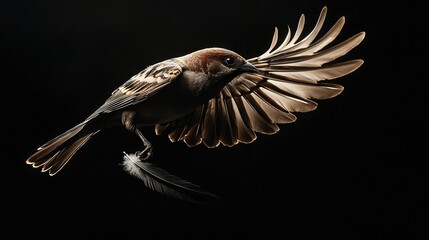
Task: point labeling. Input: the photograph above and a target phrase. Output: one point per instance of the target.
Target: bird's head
(218, 63)
(209, 70)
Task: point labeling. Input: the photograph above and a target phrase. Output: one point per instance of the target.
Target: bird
(214, 96)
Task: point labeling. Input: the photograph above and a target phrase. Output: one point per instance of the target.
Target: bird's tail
(53, 155)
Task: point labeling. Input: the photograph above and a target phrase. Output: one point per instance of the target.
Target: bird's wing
(140, 87)
(291, 75)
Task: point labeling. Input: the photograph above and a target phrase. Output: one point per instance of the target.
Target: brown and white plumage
(289, 78)
(216, 97)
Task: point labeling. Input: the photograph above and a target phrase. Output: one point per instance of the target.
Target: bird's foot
(145, 154)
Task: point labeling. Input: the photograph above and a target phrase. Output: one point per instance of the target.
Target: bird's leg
(128, 121)
(148, 146)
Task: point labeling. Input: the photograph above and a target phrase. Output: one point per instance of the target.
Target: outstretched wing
(290, 78)
(140, 87)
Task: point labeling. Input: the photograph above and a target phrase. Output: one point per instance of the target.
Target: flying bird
(214, 97)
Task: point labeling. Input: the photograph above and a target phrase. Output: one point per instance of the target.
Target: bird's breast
(178, 99)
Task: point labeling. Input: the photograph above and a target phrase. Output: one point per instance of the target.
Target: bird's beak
(247, 67)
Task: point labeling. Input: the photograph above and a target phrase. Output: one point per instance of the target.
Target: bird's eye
(229, 61)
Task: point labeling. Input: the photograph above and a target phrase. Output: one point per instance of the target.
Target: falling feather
(165, 183)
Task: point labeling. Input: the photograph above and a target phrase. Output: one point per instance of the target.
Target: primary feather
(289, 80)
(202, 98)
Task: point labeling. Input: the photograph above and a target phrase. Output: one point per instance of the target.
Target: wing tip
(360, 37)
(359, 62)
(29, 162)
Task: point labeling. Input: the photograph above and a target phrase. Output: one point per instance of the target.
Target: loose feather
(165, 183)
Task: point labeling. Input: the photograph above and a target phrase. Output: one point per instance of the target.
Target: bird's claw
(145, 154)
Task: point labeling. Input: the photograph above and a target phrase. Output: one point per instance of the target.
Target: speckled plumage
(215, 96)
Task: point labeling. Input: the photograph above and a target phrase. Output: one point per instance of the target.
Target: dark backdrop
(351, 169)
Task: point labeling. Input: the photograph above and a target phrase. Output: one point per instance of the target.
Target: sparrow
(215, 96)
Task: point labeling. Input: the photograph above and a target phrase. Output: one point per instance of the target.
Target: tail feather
(53, 155)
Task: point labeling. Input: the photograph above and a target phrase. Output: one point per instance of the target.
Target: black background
(352, 169)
